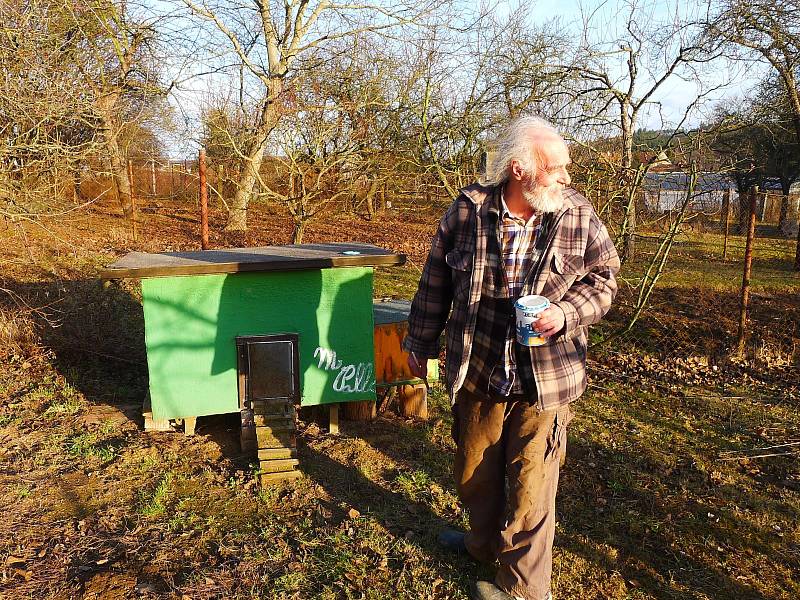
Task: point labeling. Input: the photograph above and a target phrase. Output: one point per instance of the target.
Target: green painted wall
(191, 323)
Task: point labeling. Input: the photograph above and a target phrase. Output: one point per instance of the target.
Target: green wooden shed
(282, 324)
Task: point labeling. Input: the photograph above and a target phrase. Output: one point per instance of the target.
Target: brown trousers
(506, 471)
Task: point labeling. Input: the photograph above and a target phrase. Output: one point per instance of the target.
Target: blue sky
(608, 24)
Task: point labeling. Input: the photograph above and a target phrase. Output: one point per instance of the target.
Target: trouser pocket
(556, 445)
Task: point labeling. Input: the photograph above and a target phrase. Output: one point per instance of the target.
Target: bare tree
(120, 70)
(266, 39)
(626, 71)
(46, 124)
(770, 31)
(75, 75)
(330, 144)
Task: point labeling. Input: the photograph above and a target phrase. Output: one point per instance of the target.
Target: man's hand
(550, 322)
(418, 365)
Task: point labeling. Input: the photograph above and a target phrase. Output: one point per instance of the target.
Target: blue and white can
(528, 309)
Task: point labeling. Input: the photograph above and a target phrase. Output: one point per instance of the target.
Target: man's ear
(516, 171)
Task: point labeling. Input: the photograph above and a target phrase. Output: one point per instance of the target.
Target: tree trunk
(77, 196)
(629, 238)
(119, 171)
(116, 163)
(237, 209)
(359, 411)
(297, 232)
(629, 210)
(412, 400)
(372, 192)
(744, 212)
(237, 215)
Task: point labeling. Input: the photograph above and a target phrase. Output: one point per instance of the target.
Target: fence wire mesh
(689, 332)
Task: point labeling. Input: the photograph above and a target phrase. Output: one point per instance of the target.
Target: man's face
(543, 190)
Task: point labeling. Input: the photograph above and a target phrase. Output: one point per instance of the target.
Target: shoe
(486, 590)
(453, 540)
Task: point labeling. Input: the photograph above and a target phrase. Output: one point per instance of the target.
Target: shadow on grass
(684, 322)
(96, 335)
(646, 477)
(654, 514)
(613, 507)
(406, 518)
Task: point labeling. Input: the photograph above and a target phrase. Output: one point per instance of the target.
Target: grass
(154, 503)
(650, 506)
(396, 282)
(91, 445)
(696, 259)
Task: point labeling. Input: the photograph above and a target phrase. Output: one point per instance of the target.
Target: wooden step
(275, 437)
(268, 478)
(272, 407)
(273, 420)
(278, 466)
(276, 453)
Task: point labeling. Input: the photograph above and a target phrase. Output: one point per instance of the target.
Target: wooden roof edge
(366, 260)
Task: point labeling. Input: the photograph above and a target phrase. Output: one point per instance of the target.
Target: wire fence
(701, 322)
(706, 322)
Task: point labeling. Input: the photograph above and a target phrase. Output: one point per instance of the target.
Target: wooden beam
(333, 420)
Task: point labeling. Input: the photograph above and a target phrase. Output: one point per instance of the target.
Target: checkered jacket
(576, 272)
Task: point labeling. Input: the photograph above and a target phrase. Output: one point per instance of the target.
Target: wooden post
(748, 263)
(726, 217)
(797, 251)
(359, 411)
(134, 216)
(412, 400)
(201, 168)
(333, 419)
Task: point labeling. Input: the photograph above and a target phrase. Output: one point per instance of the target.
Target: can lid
(532, 303)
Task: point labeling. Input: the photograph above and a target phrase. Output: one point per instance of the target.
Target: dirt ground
(682, 479)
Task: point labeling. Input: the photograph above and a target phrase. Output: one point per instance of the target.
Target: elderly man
(523, 231)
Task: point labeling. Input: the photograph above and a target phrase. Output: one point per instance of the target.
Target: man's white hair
(515, 143)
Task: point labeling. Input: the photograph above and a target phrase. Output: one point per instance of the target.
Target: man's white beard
(544, 199)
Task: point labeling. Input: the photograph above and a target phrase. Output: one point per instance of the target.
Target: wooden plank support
(151, 424)
(412, 400)
(333, 419)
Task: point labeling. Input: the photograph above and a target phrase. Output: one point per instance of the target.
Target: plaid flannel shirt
(576, 272)
(512, 254)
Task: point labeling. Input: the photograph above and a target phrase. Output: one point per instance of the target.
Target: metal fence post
(726, 217)
(134, 216)
(748, 263)
(797, 251)
(201, 169)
